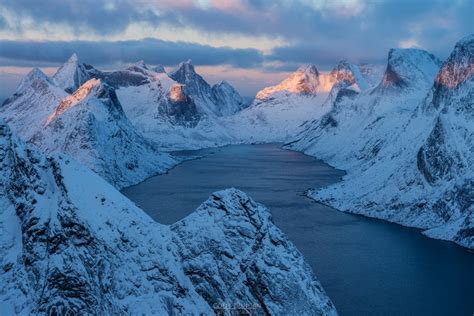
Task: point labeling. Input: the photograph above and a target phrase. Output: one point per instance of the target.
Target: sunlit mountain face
(266, 135)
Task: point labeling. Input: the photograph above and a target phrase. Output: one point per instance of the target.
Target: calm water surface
(367, 266)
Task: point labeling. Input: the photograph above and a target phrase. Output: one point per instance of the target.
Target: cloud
(153, 51)
(105, 17)
(355, 26)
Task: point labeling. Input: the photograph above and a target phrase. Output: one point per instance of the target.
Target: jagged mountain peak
(73, 59)
(71, 75)
(305, 80)
(185, 67)
(208, 99)
(34, 78)
(345, 74)
(459, 66)
(409, 68)
(455, 80)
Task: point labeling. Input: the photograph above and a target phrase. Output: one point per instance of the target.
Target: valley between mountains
(71, 242)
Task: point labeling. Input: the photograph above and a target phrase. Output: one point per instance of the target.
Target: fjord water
(367, 266)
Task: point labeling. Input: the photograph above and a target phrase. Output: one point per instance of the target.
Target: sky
(251, 44)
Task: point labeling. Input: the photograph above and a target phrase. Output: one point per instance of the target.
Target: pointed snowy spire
(73, 59)
(184, 67)
(71, 74)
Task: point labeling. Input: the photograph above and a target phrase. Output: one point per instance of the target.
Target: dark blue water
(367, 266)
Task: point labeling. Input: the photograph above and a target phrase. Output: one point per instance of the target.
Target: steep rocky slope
(71, 243)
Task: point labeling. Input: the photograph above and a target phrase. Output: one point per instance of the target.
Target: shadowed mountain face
(218, 100)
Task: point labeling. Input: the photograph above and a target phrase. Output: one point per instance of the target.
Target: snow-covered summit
(408, 68)
(34, 79)
(458, 68)
(305, 80)
(71, 74)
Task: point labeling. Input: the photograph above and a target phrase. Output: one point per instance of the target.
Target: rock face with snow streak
(153, 101)
(446, 159)
(254, 260)
(35, 98)
(71, 75)
(219, 100)
(408, 154)
(70, 243)
(91, 126)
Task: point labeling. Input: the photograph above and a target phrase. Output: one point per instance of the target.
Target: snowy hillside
(71, 243)
(406, 153)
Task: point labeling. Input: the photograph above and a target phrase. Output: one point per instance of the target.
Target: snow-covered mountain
(71, 75)
(219, 100)
(406, 153)
(281, 111)
(70, 243)
(91, 126)
(35, 98)
(154, 101)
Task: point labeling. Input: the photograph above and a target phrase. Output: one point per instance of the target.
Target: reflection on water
(366, 266)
